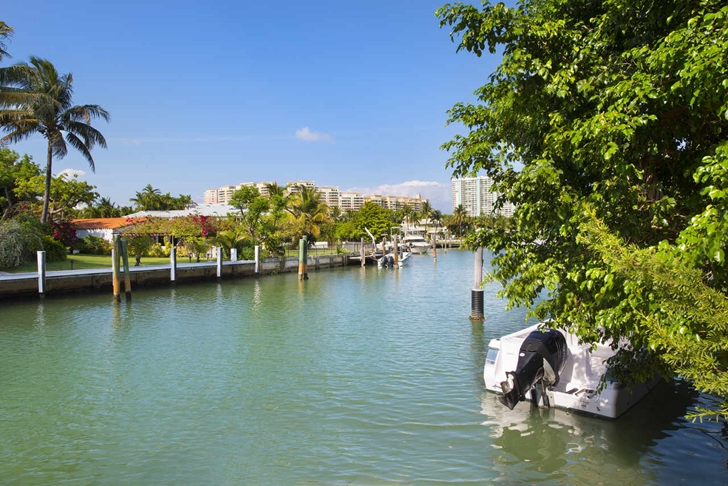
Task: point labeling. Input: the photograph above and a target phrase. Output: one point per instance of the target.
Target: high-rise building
(351, 201)
(329, 195)
(211, 196)
(477, 197)
(347, 201)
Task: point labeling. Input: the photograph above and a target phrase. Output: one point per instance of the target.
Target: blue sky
(351, 94)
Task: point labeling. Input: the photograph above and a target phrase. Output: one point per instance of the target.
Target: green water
(363, 376)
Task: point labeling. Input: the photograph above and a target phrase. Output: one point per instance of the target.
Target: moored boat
(552, 369)
(416, 244)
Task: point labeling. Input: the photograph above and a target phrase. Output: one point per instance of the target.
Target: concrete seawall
(24, 285)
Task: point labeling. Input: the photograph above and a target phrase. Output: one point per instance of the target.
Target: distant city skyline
(351, 94)
(331, 195)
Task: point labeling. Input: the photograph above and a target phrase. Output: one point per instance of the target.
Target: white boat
(551, 369)
(388, 260)
(416, 244)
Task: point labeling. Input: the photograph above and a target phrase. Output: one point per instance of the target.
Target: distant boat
(550, 368)
(388, 260)
(416, 244)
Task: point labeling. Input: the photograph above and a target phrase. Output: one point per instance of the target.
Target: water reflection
(538, 444)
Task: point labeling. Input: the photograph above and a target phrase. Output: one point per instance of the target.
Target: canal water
(356, 376)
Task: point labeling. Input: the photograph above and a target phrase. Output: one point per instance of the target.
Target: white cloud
(71, 173)
(439, 194)
(307, 135)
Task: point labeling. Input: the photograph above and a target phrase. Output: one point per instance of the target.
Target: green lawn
(79, 262)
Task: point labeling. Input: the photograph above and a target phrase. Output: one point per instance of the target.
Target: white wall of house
(107, 234)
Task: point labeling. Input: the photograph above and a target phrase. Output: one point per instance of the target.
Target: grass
(81, 262)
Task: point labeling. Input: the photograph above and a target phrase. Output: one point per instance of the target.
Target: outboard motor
(542, 358)
(390, 260)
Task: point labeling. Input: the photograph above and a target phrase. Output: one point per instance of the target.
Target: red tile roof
(102, 223)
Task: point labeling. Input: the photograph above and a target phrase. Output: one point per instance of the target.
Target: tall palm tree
(49, 110)
(460, 216)
(424, 213)
(149, 199)
(407, 214)
(309, 213)
(5, 33)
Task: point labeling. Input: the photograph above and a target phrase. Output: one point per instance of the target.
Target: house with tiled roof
(105, 228)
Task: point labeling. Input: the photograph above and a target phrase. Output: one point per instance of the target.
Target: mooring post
(173, 265)
(219, 262)
(233, 254)
(361, 253)
(434, 244)
(476, 295)
(395, 250)
(257, 260)
(127, 275)
(116, 280)
(302, 259)
(41, 273)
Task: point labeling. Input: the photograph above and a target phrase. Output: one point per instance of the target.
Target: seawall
(25, 285)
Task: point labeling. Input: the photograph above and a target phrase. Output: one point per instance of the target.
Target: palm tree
(308, 211)
(5, 33)
(424, 213)
(48, 109)
(407, 214)
(108, 209)
(460, 216)
(148, 199)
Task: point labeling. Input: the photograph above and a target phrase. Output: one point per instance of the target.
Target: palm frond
(82, 147)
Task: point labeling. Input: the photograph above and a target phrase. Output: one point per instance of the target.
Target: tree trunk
(47, 193)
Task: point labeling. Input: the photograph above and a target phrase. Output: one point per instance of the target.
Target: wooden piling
(434, 245)
(362, 254)
(303, 259)
(233, 254)
(257, 260)
(127, 274)
(395, 250)
(115, 269)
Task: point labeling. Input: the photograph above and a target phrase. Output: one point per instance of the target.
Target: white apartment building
(261, 186)
(351, 201)
(330, 195)
(292, 186)
(347, 201)
(211, 196)
(476, 196)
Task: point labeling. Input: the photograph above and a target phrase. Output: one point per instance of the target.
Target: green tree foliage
(14, 170)
(66, 193)
(309, 214)
(46, 107)
(620, 105)
(5, 33)
(685, 320)
(372, 216)
(151, 199)
(18, 243)
(459, 221)
(139, 246)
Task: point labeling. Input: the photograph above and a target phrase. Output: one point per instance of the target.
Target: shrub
(158, 251)
(94, 245)
(55, 250)
(18, 243)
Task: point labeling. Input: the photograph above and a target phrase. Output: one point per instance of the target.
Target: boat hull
(578, 387)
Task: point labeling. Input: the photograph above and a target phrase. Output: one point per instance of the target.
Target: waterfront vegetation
(610, 141)
(606, 123)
